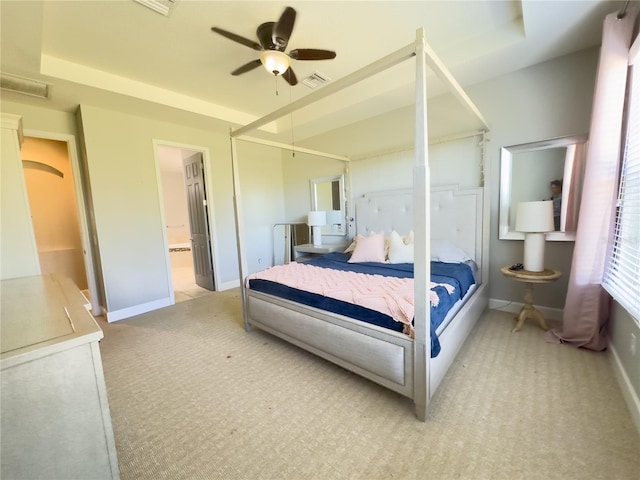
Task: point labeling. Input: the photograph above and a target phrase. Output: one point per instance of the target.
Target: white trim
(628, 392)
(12, 122)
(128, 312)
(163, 222)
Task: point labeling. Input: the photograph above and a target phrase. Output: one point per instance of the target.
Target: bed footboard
(379, 355)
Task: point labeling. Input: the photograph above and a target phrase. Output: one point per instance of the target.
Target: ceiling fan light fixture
(275, 61)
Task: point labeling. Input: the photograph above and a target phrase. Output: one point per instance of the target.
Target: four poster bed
(413, 358)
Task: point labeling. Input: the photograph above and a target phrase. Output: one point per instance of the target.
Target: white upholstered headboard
(456, 215)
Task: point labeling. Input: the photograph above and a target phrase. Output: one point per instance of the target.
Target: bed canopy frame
(424, 57)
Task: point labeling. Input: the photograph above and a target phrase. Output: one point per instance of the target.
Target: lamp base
(317, 236)
(534, 252)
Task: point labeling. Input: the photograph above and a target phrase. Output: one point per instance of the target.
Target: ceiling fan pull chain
(293, 143)
(275, 77)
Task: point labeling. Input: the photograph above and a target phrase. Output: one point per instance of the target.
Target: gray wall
(548, 100)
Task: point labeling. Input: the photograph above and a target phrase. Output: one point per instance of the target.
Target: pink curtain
(587, 305)
(573, 170)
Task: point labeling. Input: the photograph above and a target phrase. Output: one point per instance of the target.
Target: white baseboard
(629, 394)
(514, 307)
(123, 313)
(228, 285)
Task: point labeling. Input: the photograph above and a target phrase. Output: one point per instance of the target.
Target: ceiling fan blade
(237, 38)
(247, 67)
(264, 33)
(311, 54)
(283, 28)
(290, 77)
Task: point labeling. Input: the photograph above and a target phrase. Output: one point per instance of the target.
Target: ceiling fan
(274, 38)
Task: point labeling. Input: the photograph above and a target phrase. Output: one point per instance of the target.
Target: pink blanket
(389, 295)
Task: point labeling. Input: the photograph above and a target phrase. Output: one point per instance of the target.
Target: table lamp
(316, 219)
(535, 219)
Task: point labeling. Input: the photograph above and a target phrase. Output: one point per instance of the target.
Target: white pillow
(446, 251)
(408, 238)
(368, 249)
(399, 251)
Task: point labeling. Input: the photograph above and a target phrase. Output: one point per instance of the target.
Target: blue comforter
(459, 275)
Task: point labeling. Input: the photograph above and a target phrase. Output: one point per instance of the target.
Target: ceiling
(124, 56)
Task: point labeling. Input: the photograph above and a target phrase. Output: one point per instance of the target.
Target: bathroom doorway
(178, 229)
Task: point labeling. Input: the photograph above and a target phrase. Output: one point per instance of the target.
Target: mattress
(458, 275)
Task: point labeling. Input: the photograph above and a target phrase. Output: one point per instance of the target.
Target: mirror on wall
(551, 170)
(327, 193)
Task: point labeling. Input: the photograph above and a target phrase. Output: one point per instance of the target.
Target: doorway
(56, 219)
(187, 229)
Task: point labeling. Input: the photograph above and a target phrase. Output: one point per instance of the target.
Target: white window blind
(622, 278)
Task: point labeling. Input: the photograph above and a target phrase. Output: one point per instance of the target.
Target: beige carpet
(194, 396)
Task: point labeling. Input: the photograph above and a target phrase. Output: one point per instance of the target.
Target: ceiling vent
(161, 6)
(315, 80)
(28, 86)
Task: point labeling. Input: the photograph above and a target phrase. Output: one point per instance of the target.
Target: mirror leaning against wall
(551, 170)
(327, 194)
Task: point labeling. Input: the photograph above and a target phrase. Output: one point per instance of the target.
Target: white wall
(262, 201)
(626, 359)
(176, 210)
(18, 255)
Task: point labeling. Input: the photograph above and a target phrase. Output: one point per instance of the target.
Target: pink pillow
(369, 249)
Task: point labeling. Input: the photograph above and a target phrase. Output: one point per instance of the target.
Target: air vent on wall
(315, 80)
(161, 6)
(28, 86)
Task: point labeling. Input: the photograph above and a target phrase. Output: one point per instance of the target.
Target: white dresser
(54, 413)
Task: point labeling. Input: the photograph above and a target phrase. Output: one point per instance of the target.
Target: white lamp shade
(535, 217)
(317, 218)
(275, 62)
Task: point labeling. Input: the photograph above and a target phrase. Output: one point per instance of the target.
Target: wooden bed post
(237, 208)
(421, 226)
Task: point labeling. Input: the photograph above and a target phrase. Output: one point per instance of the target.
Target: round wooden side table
(529, 278)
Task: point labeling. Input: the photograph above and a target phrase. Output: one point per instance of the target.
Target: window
(622, 276)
